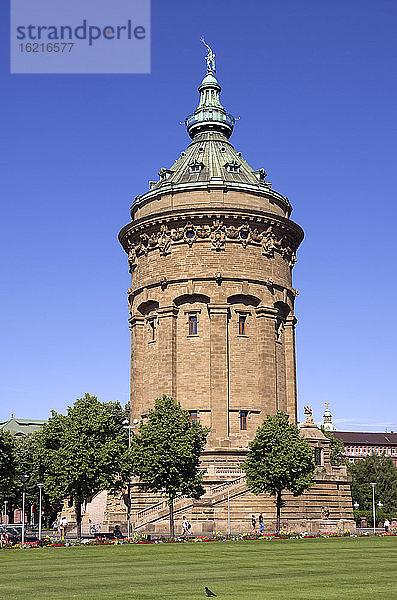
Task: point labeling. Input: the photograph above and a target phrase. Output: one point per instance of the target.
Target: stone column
(280, 364)
(290, 367)
(137, 323)
(219, 370)
(267, 376)
(167, 319)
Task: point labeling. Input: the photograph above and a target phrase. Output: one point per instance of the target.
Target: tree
(378, 469)
(82, 452)
(336, 447)
(8, 465)
(166, 451)
(279, 459)
(28, 462)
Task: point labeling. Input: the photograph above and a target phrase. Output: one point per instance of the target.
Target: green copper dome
(210, 114)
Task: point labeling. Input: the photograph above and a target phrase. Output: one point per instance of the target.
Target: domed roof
(209, 79)
(209, 156)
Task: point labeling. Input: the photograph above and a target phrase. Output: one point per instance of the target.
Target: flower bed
(217, 537)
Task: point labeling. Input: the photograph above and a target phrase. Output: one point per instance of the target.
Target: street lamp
(380, 504)
(356, 505)
(373, 504)
(24, 479)
(5, 512)
(228, 509)
(40, 486)
(126, 425)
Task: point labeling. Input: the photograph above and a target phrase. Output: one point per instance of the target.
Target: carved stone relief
(272, 239)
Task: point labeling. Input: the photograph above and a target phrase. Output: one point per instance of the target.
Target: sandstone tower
(211, 248)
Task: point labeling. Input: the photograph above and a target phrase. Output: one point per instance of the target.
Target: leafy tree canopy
(378, 469)
(82, 452)
(166, 452)
(8, 465)
(279, 459)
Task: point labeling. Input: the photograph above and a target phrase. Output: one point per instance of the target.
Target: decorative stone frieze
(272, 237)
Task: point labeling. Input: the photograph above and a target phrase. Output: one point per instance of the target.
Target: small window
(232, 167)
(196, 167)
(318, 456)
(152, 330)
(243, 419)
(193, 416)
(193, 325)
(241, 324)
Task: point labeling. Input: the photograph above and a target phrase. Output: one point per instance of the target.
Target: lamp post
(5, 512)
(356, 505)
(228, 509)
(373, 504)
(126, 425)
(40, 486)
(24, 479)
(380, 504)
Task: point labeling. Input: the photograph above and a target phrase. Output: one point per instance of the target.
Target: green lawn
(323, 569)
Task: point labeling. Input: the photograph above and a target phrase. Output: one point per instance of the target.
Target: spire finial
(210, 58)
(326, 405)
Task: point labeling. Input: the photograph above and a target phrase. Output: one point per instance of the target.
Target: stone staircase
(149, 518)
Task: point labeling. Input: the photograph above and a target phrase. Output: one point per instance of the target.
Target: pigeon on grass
(208, 592)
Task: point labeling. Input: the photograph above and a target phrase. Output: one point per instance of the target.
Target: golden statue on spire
(210, 58)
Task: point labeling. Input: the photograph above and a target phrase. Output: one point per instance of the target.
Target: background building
(359, 445)
(21, 427)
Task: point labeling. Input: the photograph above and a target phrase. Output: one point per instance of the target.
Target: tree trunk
(279, 504)
(77, 509)
(172, 528)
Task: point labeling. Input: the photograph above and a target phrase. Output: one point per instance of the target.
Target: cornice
(273, 234)
(224, 212)
(263, 190)
(216, 278)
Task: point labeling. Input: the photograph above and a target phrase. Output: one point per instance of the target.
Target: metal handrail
(210, 115)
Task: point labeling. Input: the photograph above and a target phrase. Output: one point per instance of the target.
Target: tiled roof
(21, 426)
(216, 157)
(358, 437)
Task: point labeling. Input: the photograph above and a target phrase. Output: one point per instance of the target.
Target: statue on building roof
(210, 58)
(309, 414)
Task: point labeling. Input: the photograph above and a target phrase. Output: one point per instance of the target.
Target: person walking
(386, 525)
(261, 524)
(63, 524)
(55, 527)
(185, 527)
(253, 523)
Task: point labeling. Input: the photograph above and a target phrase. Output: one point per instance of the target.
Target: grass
(313, 569)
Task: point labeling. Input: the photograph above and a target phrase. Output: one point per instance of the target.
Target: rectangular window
(152, 330)
(243, 419)
(241, 324)
(193, 416)
(193, 325)
(317, 456)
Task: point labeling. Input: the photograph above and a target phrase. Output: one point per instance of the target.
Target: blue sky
(315, 86)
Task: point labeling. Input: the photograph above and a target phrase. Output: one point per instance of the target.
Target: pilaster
(137, 324)
(219, 370)
(290, 368)
(167, 317)
(267, 376)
